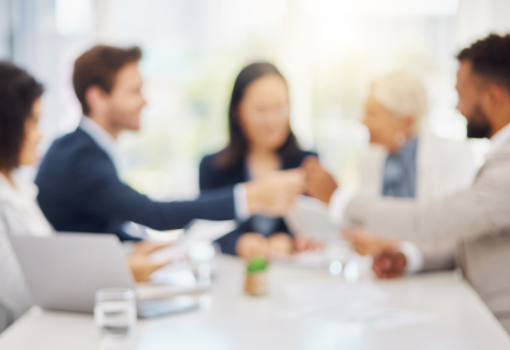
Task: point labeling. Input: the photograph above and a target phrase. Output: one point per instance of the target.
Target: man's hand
(388, 261)
(275, 194)
(365, 243)
(320, 183)
(389, 264)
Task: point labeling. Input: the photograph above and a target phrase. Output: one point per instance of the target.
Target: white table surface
(230, 320)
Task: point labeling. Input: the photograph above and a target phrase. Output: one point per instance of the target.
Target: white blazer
(19, 215)
(443, 168)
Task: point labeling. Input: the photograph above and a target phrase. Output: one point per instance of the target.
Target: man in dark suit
(79, 188)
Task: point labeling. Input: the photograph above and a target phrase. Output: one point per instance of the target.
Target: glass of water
(338, 254)
(115, 311)
(202, 256)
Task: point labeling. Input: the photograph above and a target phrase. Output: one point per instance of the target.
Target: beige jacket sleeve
(437, 255)
(480, 210)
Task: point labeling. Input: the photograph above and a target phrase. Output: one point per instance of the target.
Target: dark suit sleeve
(101, 191)
(229, 241)
(207, 173)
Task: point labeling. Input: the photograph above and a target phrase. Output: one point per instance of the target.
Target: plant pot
(256, 283)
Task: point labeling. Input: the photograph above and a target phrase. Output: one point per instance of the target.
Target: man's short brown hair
(490, 58)
(99, 66)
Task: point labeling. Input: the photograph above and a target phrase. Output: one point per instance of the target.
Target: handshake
(275, 194)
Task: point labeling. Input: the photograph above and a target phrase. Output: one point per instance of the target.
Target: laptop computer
(64, 271)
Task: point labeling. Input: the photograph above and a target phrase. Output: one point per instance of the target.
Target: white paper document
(200, 231)
(362, 303)
(208, 231)
(333, 291)
(310, 217)
(367, 315)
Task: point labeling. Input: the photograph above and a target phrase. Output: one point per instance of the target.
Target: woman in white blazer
(402, 160)
(20, 109)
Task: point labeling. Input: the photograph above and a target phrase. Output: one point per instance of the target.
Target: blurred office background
(193, 49)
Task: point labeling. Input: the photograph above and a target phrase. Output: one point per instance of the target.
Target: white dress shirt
(20, 212)
(341, 198)
(103, 139)
(499, 140)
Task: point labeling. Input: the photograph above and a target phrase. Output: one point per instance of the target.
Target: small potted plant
(256, 277)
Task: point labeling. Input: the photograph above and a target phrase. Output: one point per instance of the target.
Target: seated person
(406, 162)
(261, 145)
(477, 217)
(79, 188)
(20, 108)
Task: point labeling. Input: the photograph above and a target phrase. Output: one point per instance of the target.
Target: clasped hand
(389, 262)
(275, 194)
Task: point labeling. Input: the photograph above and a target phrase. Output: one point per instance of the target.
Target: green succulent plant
(257, 264)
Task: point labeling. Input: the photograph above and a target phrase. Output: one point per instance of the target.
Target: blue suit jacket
(213, 177)
(80, 191)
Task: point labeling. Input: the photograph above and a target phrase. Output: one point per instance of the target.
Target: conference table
(305, 308)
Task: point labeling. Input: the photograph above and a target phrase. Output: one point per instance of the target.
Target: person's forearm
(241, 202)
(458, 216)
(414, 256)
(128, 205)
(254, 202)
(338, 204)
(437, 255)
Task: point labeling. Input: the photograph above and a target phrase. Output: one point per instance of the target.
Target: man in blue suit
(79, 188)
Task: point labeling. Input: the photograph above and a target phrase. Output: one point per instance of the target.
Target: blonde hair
(402, 94)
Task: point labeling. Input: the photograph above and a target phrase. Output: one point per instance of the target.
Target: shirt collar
(408, 152)
(499, 140)
(20, 189)
(103, 139)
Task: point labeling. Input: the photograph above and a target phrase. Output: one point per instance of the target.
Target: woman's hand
(252, 244)
(140, 261)
(280, 245)
(148, 247)
(142, 267)
(302, 244)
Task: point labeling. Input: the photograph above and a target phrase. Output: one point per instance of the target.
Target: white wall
(477, 18)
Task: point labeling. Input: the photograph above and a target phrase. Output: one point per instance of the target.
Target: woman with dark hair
(20, 109)
(261, 143)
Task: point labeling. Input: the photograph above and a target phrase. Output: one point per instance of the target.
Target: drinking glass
(202, 256)
(338, 254)
(115, 311)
